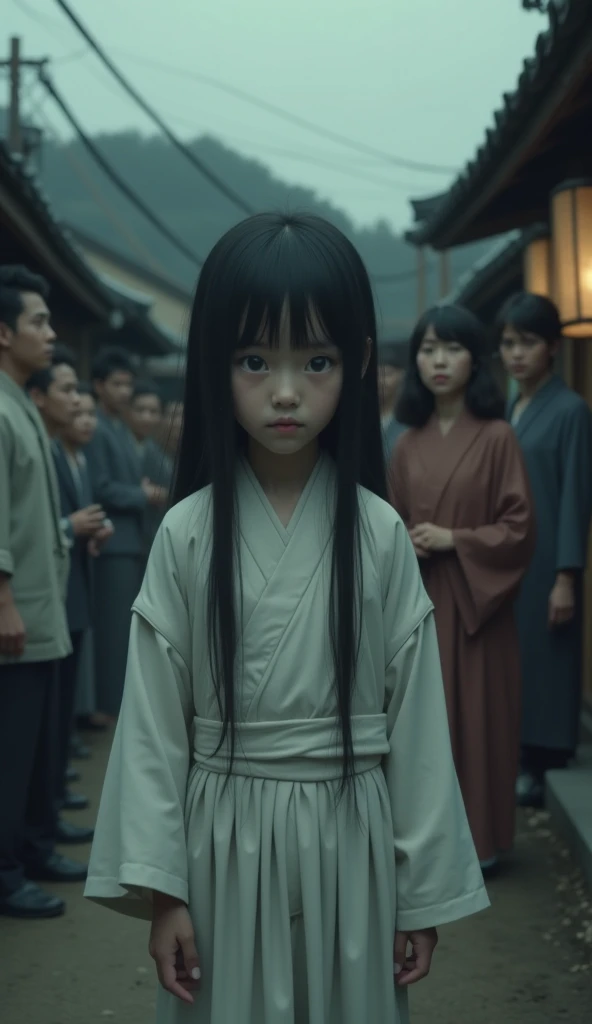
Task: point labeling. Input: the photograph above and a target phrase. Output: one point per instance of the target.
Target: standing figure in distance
(554, 429)
(145, 416)
(122, 491)
(33, 628)
(55, 393)
(392, 360)
(75, 439)
(459, 483)
(278, 802)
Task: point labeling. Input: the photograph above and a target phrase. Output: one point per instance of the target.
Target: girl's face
(527, 357)
(444, 366)
(284, 397)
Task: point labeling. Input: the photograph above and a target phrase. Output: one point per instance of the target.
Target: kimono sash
(305, 750)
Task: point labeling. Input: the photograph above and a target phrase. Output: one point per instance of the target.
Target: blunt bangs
(452, 323)
(299, 276)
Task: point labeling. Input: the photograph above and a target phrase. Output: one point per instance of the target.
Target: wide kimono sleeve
(139, 843)
(493, 558)
(438, 877)
(575, 504)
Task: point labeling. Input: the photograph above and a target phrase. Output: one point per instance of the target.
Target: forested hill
(82, 196)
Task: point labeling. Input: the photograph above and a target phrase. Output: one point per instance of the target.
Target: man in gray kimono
(33, 629)
(124, 492)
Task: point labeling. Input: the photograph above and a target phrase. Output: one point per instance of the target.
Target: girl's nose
(285, 392)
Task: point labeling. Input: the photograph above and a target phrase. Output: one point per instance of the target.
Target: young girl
(459, 483)
(554, 429)
(281, 799)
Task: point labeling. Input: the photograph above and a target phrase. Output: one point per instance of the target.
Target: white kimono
(295, 899)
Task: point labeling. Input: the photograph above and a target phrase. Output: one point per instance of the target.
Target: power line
(118, 181)
(272, 108)
(131, 195)
(136, 201)
(126, 233)
(210, 176)
(286, 115)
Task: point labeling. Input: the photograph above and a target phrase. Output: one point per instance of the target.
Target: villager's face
(444, 366)
(62, 401)
(285, 397)
(81, 431)
(527, 357)
(116, 391)
(145, 415)
(30, 343)
(389, 381)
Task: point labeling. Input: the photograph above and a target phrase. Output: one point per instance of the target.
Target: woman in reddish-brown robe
(459, 483)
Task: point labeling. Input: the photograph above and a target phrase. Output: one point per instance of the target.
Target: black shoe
(58, 869)
(73, 835)
(79, 751)
(74, 801)
(529, 791)
(30, 901)
(72, 775)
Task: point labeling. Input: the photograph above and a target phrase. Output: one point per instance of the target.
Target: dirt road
(525, 961)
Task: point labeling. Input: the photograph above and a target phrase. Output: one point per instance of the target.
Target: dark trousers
(117, 580)
(68, 677)
(539, 760)
(28, 716)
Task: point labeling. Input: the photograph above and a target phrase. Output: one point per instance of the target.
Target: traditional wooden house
(529, 187)
(86, 311)
(165, 304)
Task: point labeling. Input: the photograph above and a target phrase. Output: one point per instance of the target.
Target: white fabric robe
(294, 899)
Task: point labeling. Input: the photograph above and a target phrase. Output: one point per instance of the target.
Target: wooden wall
(577, 372)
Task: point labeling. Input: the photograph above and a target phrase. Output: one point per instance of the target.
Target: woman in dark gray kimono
(554, 427)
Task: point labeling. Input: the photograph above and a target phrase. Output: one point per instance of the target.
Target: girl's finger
(167, 974)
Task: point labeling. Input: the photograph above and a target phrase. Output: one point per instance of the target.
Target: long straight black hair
(483, 397)
(264, 269)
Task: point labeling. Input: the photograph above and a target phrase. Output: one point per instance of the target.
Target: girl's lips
(286, 426)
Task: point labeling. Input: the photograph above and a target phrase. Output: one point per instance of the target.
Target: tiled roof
(568, 22)
(56, 244)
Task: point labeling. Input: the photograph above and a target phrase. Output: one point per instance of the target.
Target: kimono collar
(537, 404)
(12, 389)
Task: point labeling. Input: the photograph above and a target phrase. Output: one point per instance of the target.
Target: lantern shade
(571, 217)
(537, 267)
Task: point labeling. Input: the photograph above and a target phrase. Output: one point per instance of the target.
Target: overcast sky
(417, 79)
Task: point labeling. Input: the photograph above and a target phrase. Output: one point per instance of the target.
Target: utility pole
(421, 281)
(15, 64)
(15, 140)
(444, 273)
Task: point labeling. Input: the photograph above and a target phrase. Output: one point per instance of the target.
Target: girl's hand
(412, 967)
(428, 537)
(172, 947)
(562, 601)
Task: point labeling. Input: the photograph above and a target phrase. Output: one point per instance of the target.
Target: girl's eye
(319, 364)
(253, 364)
(426, 350)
